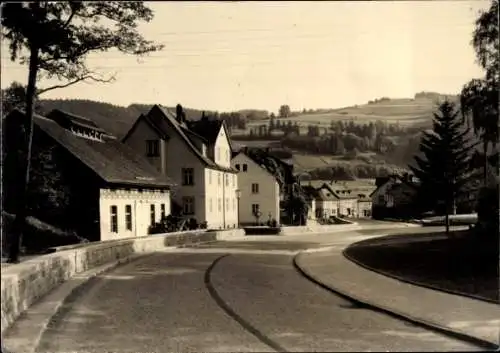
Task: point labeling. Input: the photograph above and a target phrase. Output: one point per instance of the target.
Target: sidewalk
(468, 318)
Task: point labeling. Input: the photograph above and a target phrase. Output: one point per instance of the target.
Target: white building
(260, 192)
(113, 192)
(197, 156)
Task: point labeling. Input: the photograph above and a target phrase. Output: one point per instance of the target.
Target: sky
(317, 54)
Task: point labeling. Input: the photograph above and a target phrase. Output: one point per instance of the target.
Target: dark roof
(162, 118)
(111, 160)
(331, 195)
(208, 129)
(383, 180)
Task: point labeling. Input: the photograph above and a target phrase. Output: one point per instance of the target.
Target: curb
(395, 313)
(30, 344)
(416, 283)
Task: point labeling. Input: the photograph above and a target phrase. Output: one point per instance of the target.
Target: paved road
(224, 302)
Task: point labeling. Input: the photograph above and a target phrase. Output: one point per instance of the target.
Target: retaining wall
(25, 283)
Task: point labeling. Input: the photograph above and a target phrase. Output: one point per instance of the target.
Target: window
(255, 208)
(188, 205)
(210, 208)
(218, 178)
(187, 176)
(234, 204)
(227, 204)
(381, 199)
(237, 167)
(162, 208)
(227, 179)
(255, 188)
(245, 167)
(152, 148)
(209, 176)
(152, 214)
(219, 204)
(128, 217)
(114, 219)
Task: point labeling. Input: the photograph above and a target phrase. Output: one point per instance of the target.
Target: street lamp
(238, 196)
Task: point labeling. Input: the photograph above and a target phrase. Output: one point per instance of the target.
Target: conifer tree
(444, 168)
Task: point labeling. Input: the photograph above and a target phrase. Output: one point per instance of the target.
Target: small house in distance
(84, 179)
(393, 196)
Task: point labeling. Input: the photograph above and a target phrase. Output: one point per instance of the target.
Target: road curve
(180, 302)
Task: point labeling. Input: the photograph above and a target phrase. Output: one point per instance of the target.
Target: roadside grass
(461, 263)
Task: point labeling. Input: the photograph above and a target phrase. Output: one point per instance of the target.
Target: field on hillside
(306, 162)
(406, 112)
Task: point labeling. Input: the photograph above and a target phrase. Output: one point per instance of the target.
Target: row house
(93, 184)
(330, 202)
(197, 157)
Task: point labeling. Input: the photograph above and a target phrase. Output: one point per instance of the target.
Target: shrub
(488, 209)
(192, 224)
(39, 236)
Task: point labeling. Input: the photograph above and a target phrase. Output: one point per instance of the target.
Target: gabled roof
(111, 160)
(384, 180)
(164, 120)
(339, 194)
(208, 129)
(155, 125)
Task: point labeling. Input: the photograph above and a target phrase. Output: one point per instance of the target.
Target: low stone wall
(318, 229)
(25, 283)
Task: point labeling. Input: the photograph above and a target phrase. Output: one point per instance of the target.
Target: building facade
(259, 190)
(197, 157)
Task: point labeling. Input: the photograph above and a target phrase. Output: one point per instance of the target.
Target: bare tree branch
(73, 12)
(79, 79)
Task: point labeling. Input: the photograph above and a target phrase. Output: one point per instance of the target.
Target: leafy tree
(13, 97)
(284, 111)
(479, 97)
(443, 169)
(54, 39)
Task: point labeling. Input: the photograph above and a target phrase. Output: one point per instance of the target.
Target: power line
(140, 67)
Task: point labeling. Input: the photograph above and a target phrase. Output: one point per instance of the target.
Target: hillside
(117, 119)
(416, 112)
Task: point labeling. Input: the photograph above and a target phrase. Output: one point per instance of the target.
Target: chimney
(179, 114)
(204, 117)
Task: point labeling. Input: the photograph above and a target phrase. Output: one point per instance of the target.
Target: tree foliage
(62, 34)
(479, 97)
(54, 39)
(443, 169)
(284, 111)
